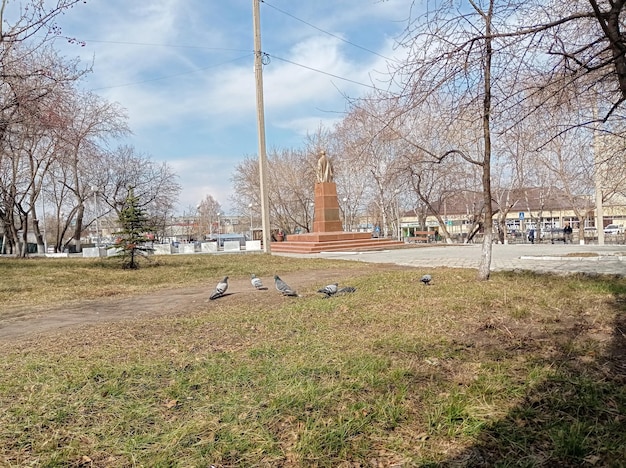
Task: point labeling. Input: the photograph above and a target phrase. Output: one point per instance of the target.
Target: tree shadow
(575, 418)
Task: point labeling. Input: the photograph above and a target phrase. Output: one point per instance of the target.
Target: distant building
(525, 208)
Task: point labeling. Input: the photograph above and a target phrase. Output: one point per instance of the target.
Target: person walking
(567, 233)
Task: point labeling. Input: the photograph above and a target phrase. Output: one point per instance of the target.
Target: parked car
(613, 229)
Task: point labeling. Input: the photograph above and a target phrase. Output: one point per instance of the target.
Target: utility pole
(258, 74)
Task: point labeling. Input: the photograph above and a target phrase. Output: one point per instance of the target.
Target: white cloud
(306, 125)
(193, 105)
(203, 175)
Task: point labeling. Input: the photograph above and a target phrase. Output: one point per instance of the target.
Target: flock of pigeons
(329, 290)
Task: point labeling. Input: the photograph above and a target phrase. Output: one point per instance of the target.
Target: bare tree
(570, 160)
(353, 181)
(577, 44)
(155, 184)
(89, 122)
(56, 139)
(29, 73)
(516, 160)
(245, 181)
(208, 211)
(27, 141)
(25, 37)
(451, 53)
(291, 188)
(368, 148)
(290, 184)
(611, 167)
(435, 185)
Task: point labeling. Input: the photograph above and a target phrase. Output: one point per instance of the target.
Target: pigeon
(283, 287)
(329, 289)
(426, 279)
(346, 290)
(256, 282)
(220, 289)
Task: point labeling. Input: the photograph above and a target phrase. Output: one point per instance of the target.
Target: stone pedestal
(326, 217)
(328, 234)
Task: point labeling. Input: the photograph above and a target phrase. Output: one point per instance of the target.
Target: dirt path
(22, 322)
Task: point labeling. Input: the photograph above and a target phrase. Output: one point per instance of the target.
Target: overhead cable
(327, 32)
(174, 75)
(323, 72)
(150, 44)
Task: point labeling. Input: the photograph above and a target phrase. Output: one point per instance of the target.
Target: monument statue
(324, 168)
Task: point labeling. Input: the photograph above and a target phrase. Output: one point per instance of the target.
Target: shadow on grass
(577, 417)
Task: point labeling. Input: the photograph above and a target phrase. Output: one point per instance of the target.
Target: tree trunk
(78, 227)
(484, 267)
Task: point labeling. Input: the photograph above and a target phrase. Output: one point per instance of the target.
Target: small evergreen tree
(132, 240)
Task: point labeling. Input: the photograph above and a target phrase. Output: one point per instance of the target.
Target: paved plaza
(543, 258)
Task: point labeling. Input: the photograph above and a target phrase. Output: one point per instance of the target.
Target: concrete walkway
(544, 258)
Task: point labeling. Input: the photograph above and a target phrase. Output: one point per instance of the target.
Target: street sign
(521, 215)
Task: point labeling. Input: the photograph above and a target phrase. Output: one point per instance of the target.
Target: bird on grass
(329, 289)
(333, 289)
(426, 279)
(283, 287)
(256, 282)
(220, 289)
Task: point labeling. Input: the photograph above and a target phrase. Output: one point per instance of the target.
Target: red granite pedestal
(328, 234)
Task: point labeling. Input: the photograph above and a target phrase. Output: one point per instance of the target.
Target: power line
(148, 44)
(173, 76)
(151, 44)
(322, 72)
(327, 32)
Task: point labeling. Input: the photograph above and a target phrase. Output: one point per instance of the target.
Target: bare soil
(25, 322)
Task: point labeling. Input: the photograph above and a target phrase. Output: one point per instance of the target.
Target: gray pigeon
(329, 289)
(256, 282)
(220, 289)
(346, 290)
(283, 287)
(426, 279)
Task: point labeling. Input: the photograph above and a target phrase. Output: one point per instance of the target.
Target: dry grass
(37, 281)
(523, 370)
(582, 254)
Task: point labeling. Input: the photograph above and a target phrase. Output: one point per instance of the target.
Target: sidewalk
(542, 258)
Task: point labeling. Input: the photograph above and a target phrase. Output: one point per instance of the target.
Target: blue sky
(184, 71)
